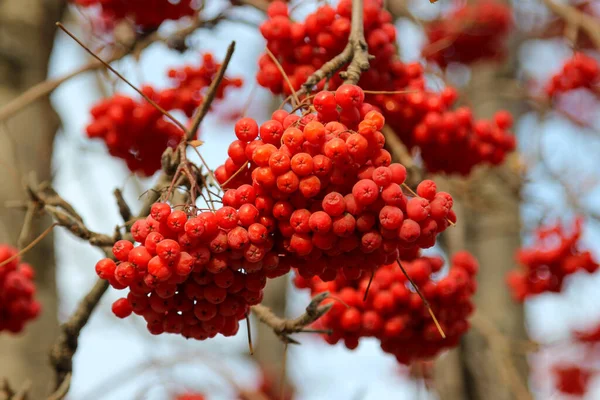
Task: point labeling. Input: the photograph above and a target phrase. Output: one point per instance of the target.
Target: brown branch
(210, 95)
(401, 154)
(360, 53)
(61, 355)
(124, 209)
(260, 5)
(576, 20)
(62, 390)
(284, 327)
(356, 53)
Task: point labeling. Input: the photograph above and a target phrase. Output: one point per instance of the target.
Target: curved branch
(356, 53)
(284, 327)
(577, 20)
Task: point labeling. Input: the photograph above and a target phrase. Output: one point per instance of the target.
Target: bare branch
(61, 355)
(576, 19)
(124, 209)
(284, 327)
(210, 95)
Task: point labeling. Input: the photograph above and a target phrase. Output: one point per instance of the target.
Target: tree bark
(27, 32)
(492, 227)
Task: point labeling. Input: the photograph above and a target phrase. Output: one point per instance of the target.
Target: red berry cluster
(190, 396)
(17, 305)
(581, 71)
(137, 132)
(469, 34)
(193, 275)
(450, 141)
(189, 83)
(330, 192)
(303, 47)
(394, 313)
(146, 14)
(572, 379)
(545, 265)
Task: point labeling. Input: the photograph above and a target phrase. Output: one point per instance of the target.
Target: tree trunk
(491, 232)
(26, 35)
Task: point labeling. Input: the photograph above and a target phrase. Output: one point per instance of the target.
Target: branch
(124, 209)
(61, 355)
(360, 54)
(210, 95)
(400, 153)
(356, 53)
(260, 5)
(576, 19)
(284, 327)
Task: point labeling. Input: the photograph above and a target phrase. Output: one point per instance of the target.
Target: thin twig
(414, 285)
(114, 71)
(62, 390)
(210, 95)
(124, 209)
(44, 88)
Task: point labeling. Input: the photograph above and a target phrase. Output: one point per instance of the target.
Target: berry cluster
(303, 47)
(145, 14)
(469, 34)
(545, 265)
(572, 379)
(189, 83)
(394, 313)
(194, 275)
(581, 71)
(17, 305)
(329, 190)
(190, 396)
(135, 131)
(449, 141)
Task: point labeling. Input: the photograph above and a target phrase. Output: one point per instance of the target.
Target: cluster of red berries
(189, 82)
(135, 131)
(580, 71)
(394, 313)
(572, 379)
(333, 197)
(194, 275)
(469, 34)
(545, 265)
(303, 47)
(17, 290)
(190, 396)
(266, 391)
(145, 14)
(449, 141)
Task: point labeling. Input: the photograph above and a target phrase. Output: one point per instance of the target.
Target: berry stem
(435, 321)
